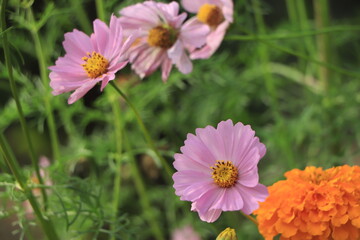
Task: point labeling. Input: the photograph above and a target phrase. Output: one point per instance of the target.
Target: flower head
(163, 37)
(89, 60)
(217, 170)
(313, 204)
(217, 14)
(185, 233)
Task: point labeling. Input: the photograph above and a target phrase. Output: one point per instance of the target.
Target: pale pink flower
(217, 170)
(163, 39)
(185, 233)
(89, 60)
(44, 163)
(218, 14)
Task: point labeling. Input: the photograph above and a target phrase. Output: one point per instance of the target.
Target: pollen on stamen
(161, 36)
(225, 174)
(95, 64)
(210, 14)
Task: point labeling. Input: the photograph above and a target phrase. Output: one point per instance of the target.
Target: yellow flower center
(210, 14)
(162, 36)
(95, 64)
(225, 174)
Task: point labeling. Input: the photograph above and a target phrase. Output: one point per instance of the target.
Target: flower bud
(227, 234)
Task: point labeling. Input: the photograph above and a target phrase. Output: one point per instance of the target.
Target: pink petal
(191, 185)
(192, 5)
(213, 42)
(176, 22)
(178, 56)
(252, 196)
(228, 9)
(211, 139)
(172, 8)
(77, 44)
(249, 161)
(211, 198)
(166, 67)
(193, 33)
(100, 35)
(59, 85)
(209, 216)
(81, 91)
(139, 16)
(196, 150)
(230, 201)
(113, 48)
(226, 132)
(244, 139)
(249, 178)
(183, 162)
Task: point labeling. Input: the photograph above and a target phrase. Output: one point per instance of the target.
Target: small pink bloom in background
(185, 233)
(163, 39)
(44, 163)
(218, 14)
(89, 60)
(217, 170)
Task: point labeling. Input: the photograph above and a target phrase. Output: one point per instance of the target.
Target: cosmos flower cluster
(148, 35)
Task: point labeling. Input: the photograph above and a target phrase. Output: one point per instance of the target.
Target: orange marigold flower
(313, 204)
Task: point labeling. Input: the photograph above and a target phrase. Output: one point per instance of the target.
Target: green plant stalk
(81, 16)
(327, 30)
(303, 56)
(145, 132)
(321, 10)
(15, 169)
(14, 92)
(44, 77)
(143, 198)
(304, 25)
(270, 86)
(100, 11)
(118, 142)
(3, 167)
(291, 9)
(252, 219)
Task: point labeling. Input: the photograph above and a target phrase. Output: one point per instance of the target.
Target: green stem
(100, 11)
(304, 25)
(327, 30)
(321, 10)
(145, 132)
(143, 197)
(44, 77)
(14, 92)
(291, 9)
(15, 169)
(117, 119)
(304, 56)
(81, 16)
(250, 218)
(3, 167)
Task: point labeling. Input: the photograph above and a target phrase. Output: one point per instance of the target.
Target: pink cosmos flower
(218, 14)
(217, 170)
(185, 233)
(89, 60)
(163, 38)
